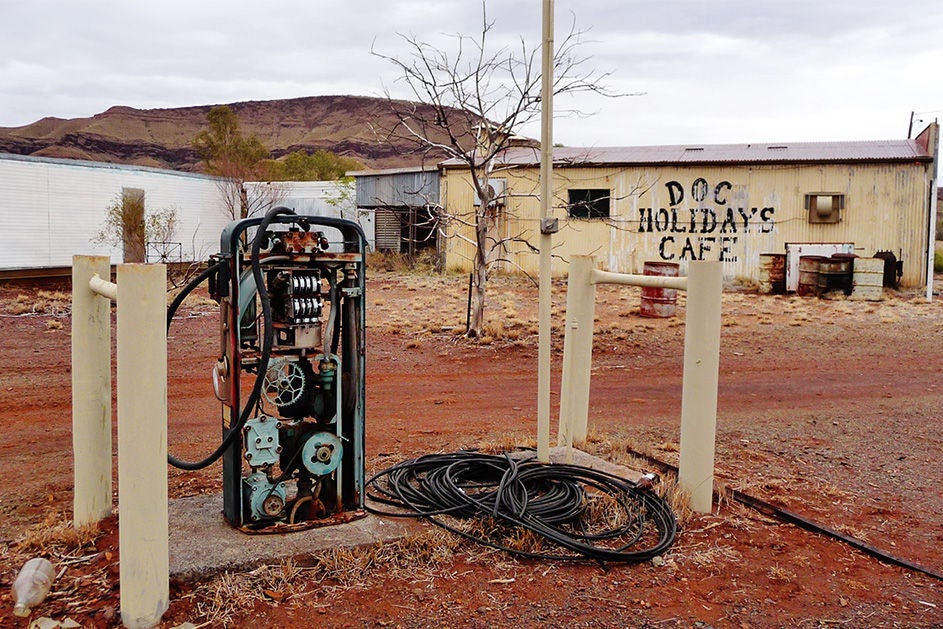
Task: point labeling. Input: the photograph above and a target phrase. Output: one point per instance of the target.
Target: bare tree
(471, 102)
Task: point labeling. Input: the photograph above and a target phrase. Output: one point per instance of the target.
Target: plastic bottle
(32, 585)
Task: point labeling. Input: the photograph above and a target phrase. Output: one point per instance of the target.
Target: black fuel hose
(267, 336)
(791, 517)
(189, 288)
(549, 500)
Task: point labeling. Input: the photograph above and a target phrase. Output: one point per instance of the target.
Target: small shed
(404, 203)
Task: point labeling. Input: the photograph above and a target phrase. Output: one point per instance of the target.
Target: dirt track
(828, 408)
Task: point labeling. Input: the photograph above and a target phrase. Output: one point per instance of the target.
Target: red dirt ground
(828, 408)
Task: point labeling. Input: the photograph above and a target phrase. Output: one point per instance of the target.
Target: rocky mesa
(162, 137)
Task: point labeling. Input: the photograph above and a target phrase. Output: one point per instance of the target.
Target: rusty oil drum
(809, 275)
(659, 302)
(772, 273)
(835, 274)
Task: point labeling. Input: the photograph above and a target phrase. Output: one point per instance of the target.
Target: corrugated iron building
(730, 203)
(402, 202)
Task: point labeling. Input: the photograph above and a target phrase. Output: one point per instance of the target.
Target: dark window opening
(588, 203)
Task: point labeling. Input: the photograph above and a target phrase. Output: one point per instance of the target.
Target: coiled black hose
(555, 501)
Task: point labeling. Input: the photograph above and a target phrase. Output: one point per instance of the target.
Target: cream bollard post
(143, 525)
(577, 351)
(91, 392)
(704, 286)
(700, 381)
(142, 444)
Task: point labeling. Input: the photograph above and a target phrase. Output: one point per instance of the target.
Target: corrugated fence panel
(387, 230)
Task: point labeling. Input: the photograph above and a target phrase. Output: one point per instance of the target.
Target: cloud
(735, 71)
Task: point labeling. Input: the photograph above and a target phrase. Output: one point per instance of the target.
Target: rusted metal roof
(757, 153)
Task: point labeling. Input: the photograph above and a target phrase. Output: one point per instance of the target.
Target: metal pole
(91, 393)
(545, 242)
(699, 393)
(934, 143)
(142, 444)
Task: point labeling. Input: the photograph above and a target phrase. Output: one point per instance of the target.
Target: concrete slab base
(202, 544)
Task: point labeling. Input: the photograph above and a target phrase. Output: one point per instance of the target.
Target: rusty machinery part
(322, 453)
(284, 382)
(267, 340)
(266, 499)
(560, 503)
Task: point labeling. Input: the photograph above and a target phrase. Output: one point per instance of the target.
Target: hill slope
(162, 137)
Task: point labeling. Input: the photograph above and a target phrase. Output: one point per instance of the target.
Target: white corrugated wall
(318, 198)
(51, 209)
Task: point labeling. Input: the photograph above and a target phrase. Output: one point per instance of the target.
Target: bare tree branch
(472, 100)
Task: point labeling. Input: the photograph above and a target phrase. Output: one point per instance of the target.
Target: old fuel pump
(291, 370)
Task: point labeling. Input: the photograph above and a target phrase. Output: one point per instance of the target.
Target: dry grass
(379, 261)
(620, 450)
(778, 573)
(43, 302)
(604, 510)
(508, 442)
(414, 558)
(711, 555)
(851, 531)
(56, 535)
(418, 558)
(678, 499)
(197, 300)
(668, 446)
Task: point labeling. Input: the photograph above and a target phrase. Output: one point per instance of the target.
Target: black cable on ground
(580, 513)
(794, 518)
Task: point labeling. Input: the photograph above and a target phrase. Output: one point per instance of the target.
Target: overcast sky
(711, 72)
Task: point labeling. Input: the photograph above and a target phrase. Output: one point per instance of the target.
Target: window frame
(590, 207)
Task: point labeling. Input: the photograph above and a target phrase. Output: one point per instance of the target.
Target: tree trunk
(476, 322)
(243, 201)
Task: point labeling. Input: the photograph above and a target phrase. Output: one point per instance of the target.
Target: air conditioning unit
(499, 186)
(824, 207)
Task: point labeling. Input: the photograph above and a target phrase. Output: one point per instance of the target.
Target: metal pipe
(91, 393)
(645, 281)
(699, 388)
(103, 287)
(142, 444)
(545, 242)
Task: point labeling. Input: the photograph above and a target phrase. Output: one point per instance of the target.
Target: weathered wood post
(143, 523)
